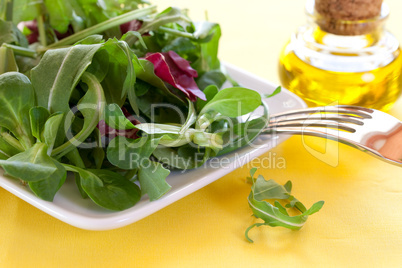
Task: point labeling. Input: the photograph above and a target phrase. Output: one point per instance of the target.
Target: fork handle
(331, 135)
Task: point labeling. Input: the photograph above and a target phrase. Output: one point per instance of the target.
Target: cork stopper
(348, 17)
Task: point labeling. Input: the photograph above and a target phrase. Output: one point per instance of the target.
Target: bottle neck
(346, 33)
(347, 41)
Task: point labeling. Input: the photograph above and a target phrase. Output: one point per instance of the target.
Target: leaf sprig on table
(276, 214)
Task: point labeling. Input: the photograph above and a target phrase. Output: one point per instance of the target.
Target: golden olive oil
(378, 88)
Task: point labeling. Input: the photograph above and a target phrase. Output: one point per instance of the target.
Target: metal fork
(369, 130)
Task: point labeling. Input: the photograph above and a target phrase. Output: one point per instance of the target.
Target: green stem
(75, 158)
(232, 81)
(70, 168)
(8, 63)
(103, 26)
(42, 30)
(8, 10)
(299, 206)
(156, 24)
(251, 227)
(176, 32)
(21, 51)
(12, 141)
(130, 174)
(93, 84)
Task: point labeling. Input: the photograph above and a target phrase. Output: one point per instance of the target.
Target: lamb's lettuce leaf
(106, 188)
(31, 165)
(16, 99)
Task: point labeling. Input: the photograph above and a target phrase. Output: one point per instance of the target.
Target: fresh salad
(115, 93)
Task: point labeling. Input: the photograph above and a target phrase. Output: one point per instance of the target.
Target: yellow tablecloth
(360, 224)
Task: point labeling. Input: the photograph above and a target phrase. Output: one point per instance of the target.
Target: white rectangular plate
(68, 206)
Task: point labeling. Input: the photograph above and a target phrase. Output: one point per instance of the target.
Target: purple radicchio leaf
(176, 71)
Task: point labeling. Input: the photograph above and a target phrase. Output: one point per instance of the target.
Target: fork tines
(338, 117)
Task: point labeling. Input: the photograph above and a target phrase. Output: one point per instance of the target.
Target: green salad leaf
(51, 128)
(115, 118)
(16, 99)
(127, 153)
(47, 187)
(38, 116)
(276, 214)
(58, 73)
(31, 165)
(106, 188)
(233, 102)
(152, 176)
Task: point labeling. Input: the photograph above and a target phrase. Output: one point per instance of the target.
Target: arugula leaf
(208, 59)
(57, 74)
(169, 15)
(121, 61)
(104, 25)
(204, 29)
(132, 36)
(275, 215)
(115, 118)
(181, 45)
(152, 176)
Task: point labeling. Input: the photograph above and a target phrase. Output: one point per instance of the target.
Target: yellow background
(360, 224)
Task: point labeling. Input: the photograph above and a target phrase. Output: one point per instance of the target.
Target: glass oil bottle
(350, 62)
